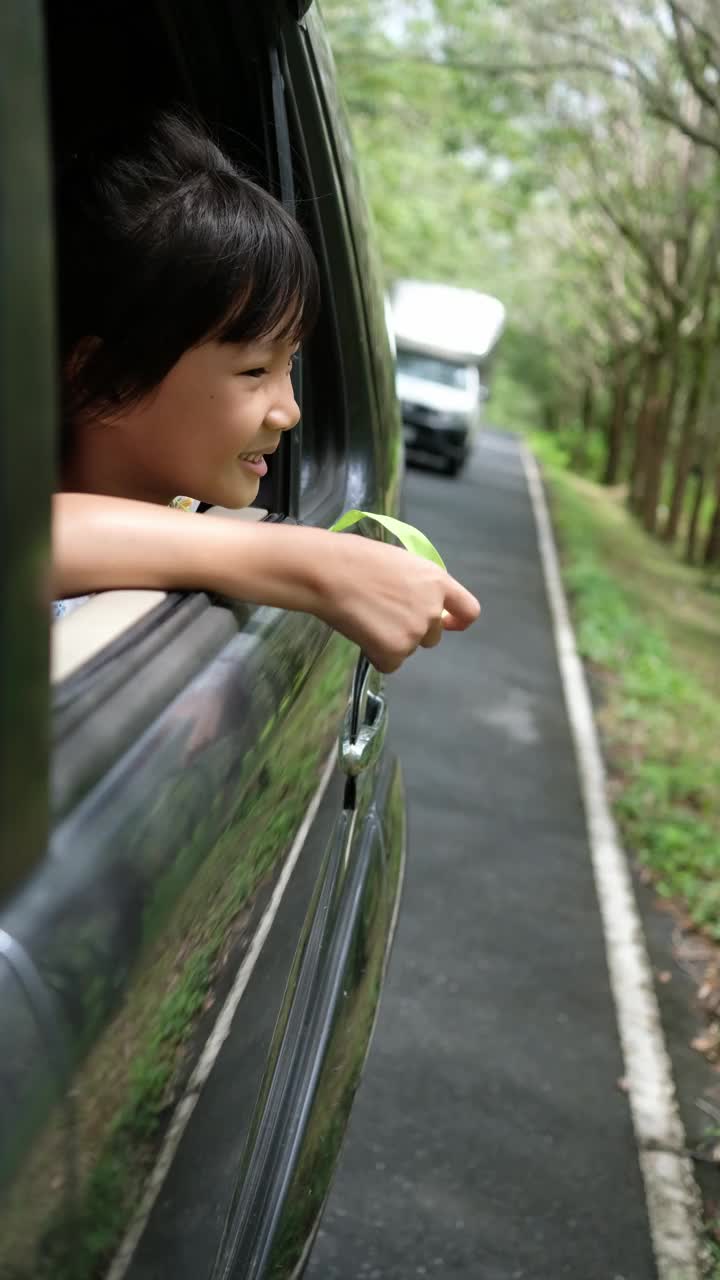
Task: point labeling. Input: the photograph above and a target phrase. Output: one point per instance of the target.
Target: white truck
(445, 337)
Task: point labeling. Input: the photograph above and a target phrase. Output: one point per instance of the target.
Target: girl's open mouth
(255, 462)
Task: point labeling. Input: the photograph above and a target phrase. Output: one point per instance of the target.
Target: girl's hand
(387, 600)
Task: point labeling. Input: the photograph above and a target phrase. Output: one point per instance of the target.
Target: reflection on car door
(160, 868)
(192, 970)
(160, 877)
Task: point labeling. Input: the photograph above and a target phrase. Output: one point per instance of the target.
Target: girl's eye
(260, 373)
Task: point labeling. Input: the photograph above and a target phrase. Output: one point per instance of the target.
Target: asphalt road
(490, 1139)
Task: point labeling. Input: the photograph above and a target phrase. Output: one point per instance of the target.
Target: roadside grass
(650, 634)
(710, 1256)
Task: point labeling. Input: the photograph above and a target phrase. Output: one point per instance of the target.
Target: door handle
(366, 720)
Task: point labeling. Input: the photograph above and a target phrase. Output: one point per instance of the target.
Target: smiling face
(200, 432)
(184, 290)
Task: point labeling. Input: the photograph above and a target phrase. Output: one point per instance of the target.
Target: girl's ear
(79, 356)
(75, 399)
(82, 405)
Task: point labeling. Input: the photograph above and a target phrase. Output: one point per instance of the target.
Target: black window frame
(189, 37)
(256, 41)
(115, 664)
(279, 118)
(317, 153)
(27, 412)
(210, 61)
(322, 383)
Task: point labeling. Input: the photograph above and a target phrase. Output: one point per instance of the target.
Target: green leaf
(410, 537)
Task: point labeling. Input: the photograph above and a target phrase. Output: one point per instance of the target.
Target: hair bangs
(275, 288)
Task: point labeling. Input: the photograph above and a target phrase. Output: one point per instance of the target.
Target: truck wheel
(453, 466)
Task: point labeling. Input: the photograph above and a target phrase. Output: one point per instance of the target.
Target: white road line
(214, 1043)
(671, 1192)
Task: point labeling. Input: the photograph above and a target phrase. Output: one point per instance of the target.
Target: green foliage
(537, 153)
(712, 1243)
(512, 405)
(429, 139)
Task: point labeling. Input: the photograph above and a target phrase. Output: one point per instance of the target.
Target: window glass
(319, 375)
(430, 369)
(339, 445)
(113, 67)
(323, 412)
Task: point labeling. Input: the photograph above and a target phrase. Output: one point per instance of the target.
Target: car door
(191, 968)
(33, 1108)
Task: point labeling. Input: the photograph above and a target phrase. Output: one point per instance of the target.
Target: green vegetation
(566, 157)
(713, 1245)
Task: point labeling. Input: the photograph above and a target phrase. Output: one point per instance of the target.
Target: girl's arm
(384, 599)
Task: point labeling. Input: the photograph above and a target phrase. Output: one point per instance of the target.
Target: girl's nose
(285, 413)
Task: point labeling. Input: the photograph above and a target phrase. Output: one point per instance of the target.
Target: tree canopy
(565, 156)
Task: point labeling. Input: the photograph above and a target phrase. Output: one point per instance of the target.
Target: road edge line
(671, 1193)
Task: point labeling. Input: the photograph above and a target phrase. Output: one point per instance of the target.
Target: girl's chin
(237, 495)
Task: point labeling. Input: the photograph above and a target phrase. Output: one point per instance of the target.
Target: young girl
(185, 291)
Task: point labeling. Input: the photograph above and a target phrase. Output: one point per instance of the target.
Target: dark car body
(203, 830)
(427, 437)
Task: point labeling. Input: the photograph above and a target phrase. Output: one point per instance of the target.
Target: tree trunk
(686, 447)
(654, 456)
(549, 417)
(711, 554)
(643, 435)
(692, 534)
(683, 462)
(658, 452)
(641, 454)
(617, 428)
(587, 406)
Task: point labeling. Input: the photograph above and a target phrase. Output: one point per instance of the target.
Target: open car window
(261, 108)
(108, 66)
(82, 633)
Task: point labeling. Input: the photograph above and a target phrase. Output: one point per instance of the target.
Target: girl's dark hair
(161, 247)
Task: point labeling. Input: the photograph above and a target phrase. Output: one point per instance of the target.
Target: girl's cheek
(250, 411)
(239, 402)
